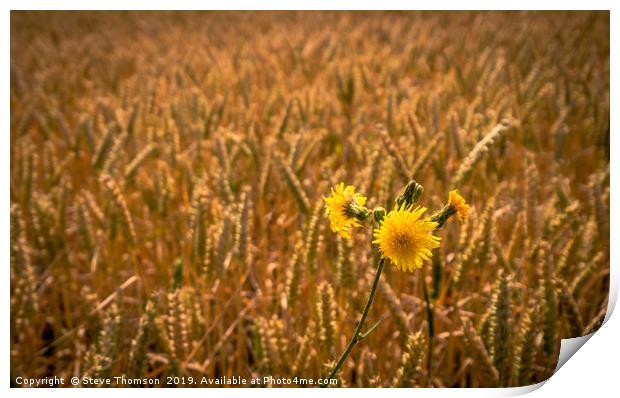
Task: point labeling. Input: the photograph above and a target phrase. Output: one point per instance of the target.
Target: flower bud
(360, 212)
(378, 213)
(410, 194)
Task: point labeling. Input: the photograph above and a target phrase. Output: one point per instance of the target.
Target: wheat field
(168, 172)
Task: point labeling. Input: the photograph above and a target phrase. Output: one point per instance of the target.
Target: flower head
(344, 208)
(406, 239)
(459, 204)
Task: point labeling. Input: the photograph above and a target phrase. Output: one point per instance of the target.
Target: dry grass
(168, 169)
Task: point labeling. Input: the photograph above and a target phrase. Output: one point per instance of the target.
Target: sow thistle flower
(457, 201)
(345, 209)
(456, 205)
(405, 238)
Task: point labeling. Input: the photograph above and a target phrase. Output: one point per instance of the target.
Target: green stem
(356, 335)
(431, 327)
(443, 215)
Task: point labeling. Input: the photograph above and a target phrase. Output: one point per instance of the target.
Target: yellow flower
(343, 208)
(457, 201)
(406, 239)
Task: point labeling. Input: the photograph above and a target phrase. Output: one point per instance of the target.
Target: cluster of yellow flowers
(403, 235)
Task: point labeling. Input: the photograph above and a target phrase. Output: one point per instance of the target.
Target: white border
(593, 371)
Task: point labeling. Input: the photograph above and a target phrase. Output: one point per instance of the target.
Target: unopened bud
(360, 212)
(410, 194)
(378, 214)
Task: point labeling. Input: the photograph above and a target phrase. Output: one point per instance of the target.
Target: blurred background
(168, 171)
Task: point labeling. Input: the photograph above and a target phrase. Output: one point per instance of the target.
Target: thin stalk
(431, 327)
(356, 335)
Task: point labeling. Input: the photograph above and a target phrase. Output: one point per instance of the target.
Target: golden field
(168, 172)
